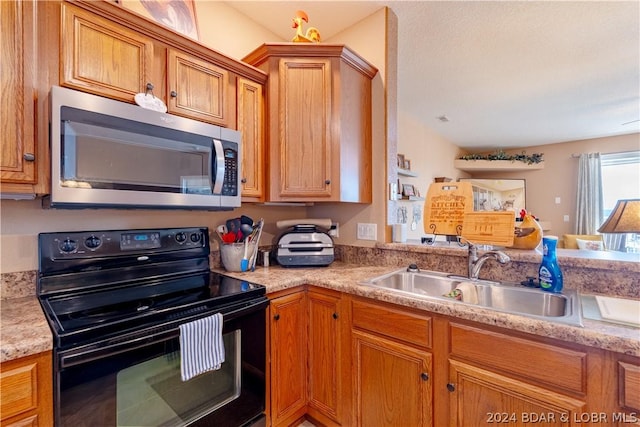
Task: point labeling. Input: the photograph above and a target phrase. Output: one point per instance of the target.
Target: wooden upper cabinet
(319, 112)
(198, 89)
(250, 107)
(17, 103)
(103, 57)
(303, 153)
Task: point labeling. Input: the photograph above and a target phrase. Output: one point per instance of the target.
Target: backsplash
(587, 276)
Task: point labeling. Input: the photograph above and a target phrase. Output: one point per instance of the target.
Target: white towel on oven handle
(201, 346)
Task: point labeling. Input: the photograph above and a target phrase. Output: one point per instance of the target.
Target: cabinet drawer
(18, 390)
(629, 379)
(547, 364)
(394, 322)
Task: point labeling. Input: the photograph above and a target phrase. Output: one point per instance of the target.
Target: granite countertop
(24, 329)
(346, 278)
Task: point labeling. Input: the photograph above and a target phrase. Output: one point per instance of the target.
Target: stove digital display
(133, 241)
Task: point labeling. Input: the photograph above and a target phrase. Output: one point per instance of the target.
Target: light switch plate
(367, 231)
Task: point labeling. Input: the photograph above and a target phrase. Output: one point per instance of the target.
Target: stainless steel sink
(505, 297)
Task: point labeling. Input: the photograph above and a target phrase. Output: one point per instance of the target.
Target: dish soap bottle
(549, 272)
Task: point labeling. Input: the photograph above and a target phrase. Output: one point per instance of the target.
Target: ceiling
(507, 74)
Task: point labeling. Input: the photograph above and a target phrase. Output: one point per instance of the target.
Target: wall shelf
(406, 172)
(495, 165)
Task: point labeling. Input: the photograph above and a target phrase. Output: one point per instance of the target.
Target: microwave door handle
(218, 180)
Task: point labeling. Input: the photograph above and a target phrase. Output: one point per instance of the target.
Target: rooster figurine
(312, 35)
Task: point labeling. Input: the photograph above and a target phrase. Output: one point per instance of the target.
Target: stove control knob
(93, 242)
(195, 237)
(68, 246)
(181, 237)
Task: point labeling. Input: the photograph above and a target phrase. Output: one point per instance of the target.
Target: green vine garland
(501, 155)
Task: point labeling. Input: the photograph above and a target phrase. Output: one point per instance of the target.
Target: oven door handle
(119, 345)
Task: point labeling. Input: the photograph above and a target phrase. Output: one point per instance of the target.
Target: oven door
(135, 380)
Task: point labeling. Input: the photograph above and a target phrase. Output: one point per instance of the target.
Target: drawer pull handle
(451, 387)
(424, 376)
(174, 94)
(29, 157)
(276, 317)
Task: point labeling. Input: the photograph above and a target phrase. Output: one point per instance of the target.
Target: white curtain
(589, 204)
(615, 242)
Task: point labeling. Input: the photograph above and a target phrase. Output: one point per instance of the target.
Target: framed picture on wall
(178, 15)
(408, 190)
(401, 161)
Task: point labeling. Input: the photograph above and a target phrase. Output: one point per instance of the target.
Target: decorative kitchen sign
(489, 228)
(445, 207)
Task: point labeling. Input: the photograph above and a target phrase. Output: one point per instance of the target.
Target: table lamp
(625, 218)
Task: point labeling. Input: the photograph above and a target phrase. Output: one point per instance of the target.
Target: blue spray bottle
(549, 272)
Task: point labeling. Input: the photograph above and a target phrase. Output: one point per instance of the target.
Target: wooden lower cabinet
(392, 365)
(26, 391)
(479, 397)
(288, 370)
(392, 384)
(326, 396)
(346, 360)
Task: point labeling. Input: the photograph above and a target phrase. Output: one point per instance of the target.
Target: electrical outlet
(334, 231)
(367, 231)
(557, 200)
(566, 218)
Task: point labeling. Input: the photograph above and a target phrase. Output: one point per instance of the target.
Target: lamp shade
(625, 218)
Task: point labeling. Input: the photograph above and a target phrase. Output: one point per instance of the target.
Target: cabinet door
(102, 57)
(198, 89)
(303, 156)
(26, 391)
(17, 103)
(288, 358)
(325, 355)
(250, 124)
(479, 397)
(392, 383)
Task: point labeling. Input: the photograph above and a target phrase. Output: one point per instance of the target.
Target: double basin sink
(504, 297)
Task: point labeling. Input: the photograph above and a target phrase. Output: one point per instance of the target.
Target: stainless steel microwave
(106, 153)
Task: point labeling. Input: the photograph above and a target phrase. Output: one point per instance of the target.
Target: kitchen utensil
(233, 225)
(246, 229)
(244, 263)
(255, 252)
(229, 237)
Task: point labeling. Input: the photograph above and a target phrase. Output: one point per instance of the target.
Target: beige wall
(368, 39)
(431, 156)
(559, 177)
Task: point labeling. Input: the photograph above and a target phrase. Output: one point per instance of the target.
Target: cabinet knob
(276, 317)
(335, 315)
(243, 180)
(174, 94)
(29, 157)
(424, 376)
(451, 387)
(327, 181)
(149, 86)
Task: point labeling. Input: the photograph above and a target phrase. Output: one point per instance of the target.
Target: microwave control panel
(230, 184)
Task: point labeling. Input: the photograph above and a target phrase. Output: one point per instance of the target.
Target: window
(621, 180)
